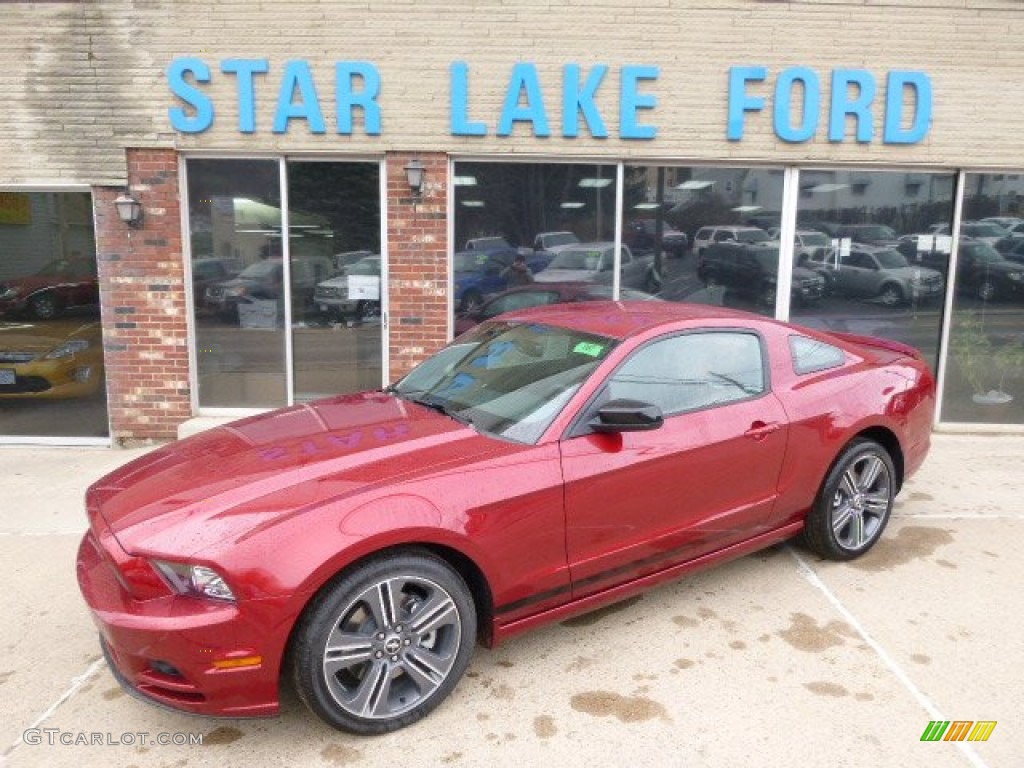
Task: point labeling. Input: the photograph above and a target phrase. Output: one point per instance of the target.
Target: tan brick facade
(87, 102)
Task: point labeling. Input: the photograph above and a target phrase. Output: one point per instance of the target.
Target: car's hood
(555, 275)
(228, 480)
(1001, 267)
(802, 273)
(38, 338)
(334, 282)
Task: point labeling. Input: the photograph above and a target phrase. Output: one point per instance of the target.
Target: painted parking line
(812, 577)
(76, 685)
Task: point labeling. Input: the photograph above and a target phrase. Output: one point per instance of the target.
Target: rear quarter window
(811, 355)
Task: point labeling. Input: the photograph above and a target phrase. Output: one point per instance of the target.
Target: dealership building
(210, 209)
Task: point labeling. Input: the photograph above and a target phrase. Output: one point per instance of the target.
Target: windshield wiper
(440, 407)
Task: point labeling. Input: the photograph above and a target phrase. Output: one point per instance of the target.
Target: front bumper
(171, 650)
(51, 379)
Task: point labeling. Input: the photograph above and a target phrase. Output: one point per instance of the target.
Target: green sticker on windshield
(588, 348)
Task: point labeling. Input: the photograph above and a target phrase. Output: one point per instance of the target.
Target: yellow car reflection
(52, 360)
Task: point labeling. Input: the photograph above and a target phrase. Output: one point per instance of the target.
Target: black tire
(854, 503)
(891, 295)
(986, 290)
(768, 295)
(404, 628)
(44, 306)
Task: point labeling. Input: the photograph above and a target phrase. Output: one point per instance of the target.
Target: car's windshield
(816, 238)
(984, 230)
(469, 261)
(261, 269)
(876, 232)
(752, 236)
(507, 379)
(891, 259)
(983, 253)
(577, 258)
(560, 238)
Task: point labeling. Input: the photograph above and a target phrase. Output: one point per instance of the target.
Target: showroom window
(884, 261)
(984, 372)
(286, 304)
(558, 217)
(706, 231)
(52, 381)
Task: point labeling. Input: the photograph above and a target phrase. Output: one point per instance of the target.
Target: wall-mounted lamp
(414, 172)
(129, 210)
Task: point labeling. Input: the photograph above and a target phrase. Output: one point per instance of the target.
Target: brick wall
(142, 293)
(417, 252)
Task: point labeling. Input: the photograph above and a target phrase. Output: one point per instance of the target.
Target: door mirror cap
(624, 415)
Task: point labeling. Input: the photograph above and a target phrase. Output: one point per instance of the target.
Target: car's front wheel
(384, 644)
(853, 504)
(44, 306)
(891, 295)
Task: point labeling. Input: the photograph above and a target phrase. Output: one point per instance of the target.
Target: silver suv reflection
(876, 273)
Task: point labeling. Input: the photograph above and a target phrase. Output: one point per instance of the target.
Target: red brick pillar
(417, 261)
(142, 297)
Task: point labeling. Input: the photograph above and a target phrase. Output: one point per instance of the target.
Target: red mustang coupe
(546, 463)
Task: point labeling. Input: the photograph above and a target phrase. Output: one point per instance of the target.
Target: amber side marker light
(243, 661)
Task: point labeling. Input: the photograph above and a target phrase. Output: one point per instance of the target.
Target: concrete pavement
(776, 659)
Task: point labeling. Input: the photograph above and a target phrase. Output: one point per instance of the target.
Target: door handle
(759, 430)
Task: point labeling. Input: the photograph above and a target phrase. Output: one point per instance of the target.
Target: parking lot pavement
(775, 659)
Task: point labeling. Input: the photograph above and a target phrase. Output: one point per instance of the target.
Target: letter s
(181, 120)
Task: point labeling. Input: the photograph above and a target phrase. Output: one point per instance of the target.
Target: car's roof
(621, 319)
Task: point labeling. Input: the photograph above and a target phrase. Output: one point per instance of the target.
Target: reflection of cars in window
(520, 473)
(876, 273)
(54, 360)
(60, 285)
(986, 231)
(208, 270)
(641, 235)
(869, 234)
(539, 294)
(983, 271)
(553, 242)
(342, 296)
(752, 270)
(594, 263)
(727, 233)
(262, 280)
(479, 274)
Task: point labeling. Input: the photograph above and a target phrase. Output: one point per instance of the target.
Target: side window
(810, 355)
(691, 371)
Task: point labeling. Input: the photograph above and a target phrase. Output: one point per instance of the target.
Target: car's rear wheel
(854, 503)
(44, 306)
(384, 644)
(986, 290)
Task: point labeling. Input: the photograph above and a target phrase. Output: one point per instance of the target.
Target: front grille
(215, 293)
(327, 293)
(16, 357)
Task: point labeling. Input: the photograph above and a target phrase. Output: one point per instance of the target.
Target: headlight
(67, 349)
(9, 293)
(238, 290)
(1016, 276)
(194, 580)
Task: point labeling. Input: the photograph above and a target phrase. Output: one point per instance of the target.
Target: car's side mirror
(624, 415)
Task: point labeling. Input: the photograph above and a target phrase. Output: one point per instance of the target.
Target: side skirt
(502, 632)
